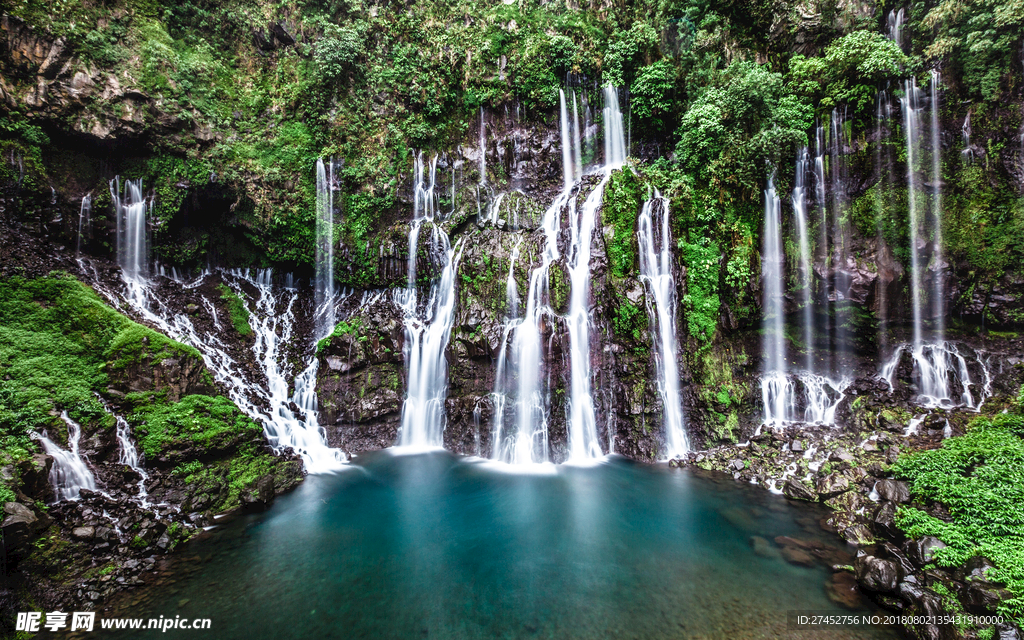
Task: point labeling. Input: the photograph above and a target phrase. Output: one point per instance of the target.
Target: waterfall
(614, 140)
(657, 274)
(935, 360)
(268, 404)
(129, 455)
(131, 210)
(427, 325)
(84, 221)
(936, 263)
(568, 172)
(69, 473)
(582, 424)
(483, 150)
(576, 147)
(882, 115)
(806, 273)
(823, 235)
(895, 26)
(840, 245)
(777, 390)
(324, 292)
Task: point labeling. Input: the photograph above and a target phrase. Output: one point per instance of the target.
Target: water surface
(436, 546)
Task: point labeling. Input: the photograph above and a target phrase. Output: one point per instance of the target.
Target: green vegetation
(623, 198)
(60, 346)
(197, 424)
(979, 477)
(236, 309)
(701, 303)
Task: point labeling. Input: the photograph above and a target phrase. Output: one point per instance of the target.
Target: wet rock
(893, 490)
(982, 597)
(858, 534)
(885, 520)
(83, 533)
(797, 491)
(876, 574)
(831, 485)
(20, 525)
(922, 551)
(1007, 632)
(34, 474)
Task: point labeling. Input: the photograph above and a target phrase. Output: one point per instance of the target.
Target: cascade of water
(84, 221)
(840, 244)
(936, 263)
(895, 23)
(582, 424)
(483, 149)
(428, 325)
(576, 147)
(568, 176)
(777, 390)
(655, 243)
(824, 253)
(806, 274)
(614, 140)
(69, 473)
(910, 107)
(271, 329)
(324, 298)
(965, 132)
(129, 455)
(883, 161)
(131, 210)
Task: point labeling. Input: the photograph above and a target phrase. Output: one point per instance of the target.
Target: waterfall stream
(324, 297)
(428, 323)
(69, 473)
(655, 242)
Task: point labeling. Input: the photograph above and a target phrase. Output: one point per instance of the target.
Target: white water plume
(655, 242)
(69, 473)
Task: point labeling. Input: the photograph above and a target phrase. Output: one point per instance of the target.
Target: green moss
(623, 197)
(236, 310)
(979, 477)
(195, 424)
(701, 301)
(135, 342)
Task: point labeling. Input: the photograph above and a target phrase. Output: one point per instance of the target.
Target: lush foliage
(236, 310)
(195, 425)
(979, 477)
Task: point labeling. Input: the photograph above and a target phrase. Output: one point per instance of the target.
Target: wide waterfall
(936, 362)
(656, 271)
(523, 349)
(69, 473)
(428, 323)
(324, 298)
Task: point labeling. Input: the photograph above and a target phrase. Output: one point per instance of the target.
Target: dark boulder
(893, 490)
(876, 574)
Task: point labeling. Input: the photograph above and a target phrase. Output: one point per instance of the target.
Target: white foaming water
(84, 221)
(483, 149)
(777, 391)
(568, 172)
(69, 473)
(655, 241)
(324, 297)
(806, 274)
(935, 367)
(131, 210)
(268, 405)
(129, 455)
(582, 422)
(427, 325)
